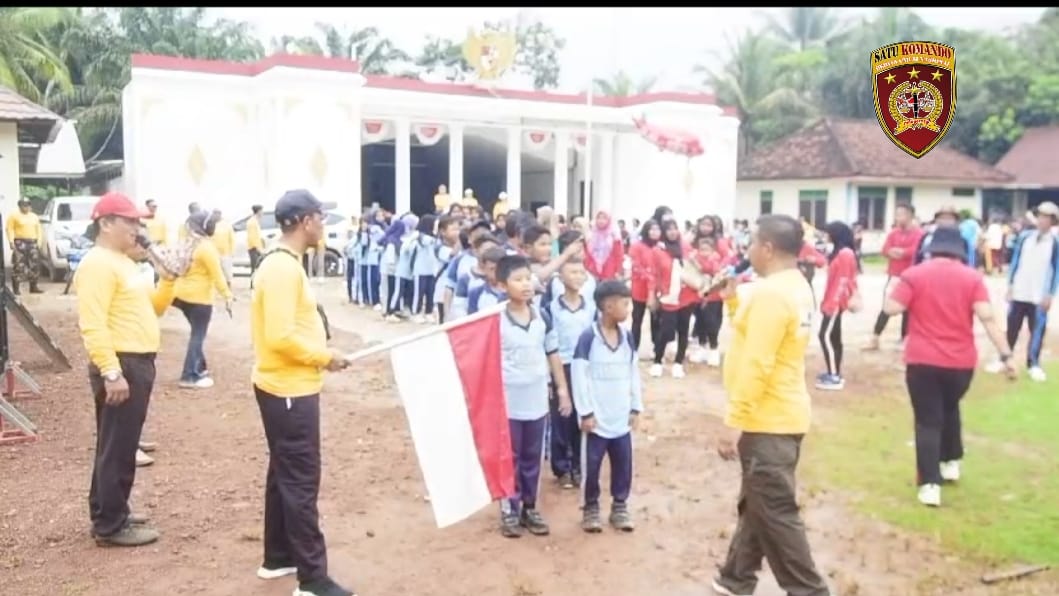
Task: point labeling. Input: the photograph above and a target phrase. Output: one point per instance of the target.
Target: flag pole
(411, 337)
(588, 204)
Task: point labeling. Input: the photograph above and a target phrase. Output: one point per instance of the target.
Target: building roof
(250, 69)
(35, 123)
(1031, 160)
(847, 148)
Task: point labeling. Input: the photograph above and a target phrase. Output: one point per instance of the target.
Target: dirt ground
(204, 493)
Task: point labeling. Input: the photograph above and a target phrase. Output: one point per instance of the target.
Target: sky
(665, 43)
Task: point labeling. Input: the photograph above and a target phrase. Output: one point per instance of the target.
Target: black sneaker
(567, 481)
(590, 520)
(276, 569)
(509, 526)
(577, 479)
(322, 587)
(129, 536)
(531, 520)
(620, 518)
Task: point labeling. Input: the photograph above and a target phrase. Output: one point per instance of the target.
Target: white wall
(9, 174)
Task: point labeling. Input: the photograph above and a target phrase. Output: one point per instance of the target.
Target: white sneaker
(204, 383)
(950, 470)
(678, 371)
(142, 459)
(713, 358)
(377, 308)
(719, 588)
(930, 495)
(994, 367)
(1037, 374)
(698, 355)
(655, 371)
(275, 572)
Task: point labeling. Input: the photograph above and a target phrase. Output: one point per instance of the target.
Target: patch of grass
(1006, 507)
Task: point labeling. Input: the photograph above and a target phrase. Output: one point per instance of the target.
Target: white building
(848, 170)
(233, 135)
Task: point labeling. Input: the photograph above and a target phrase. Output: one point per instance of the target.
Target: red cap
(115, 203)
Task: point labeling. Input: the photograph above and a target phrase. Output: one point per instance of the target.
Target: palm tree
(804, 27)
(374, 53)
(25, 60)
(623, 85)
(290, 44)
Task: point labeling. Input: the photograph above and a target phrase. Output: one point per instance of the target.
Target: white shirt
(1035, 259)
(994, 236)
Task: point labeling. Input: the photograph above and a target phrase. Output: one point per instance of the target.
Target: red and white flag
(450, 384)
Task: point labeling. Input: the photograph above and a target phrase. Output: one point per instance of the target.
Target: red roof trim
(221, 67)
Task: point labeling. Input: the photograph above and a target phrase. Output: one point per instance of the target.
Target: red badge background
(916, 140)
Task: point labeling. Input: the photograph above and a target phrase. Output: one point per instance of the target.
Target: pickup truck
(63, 220)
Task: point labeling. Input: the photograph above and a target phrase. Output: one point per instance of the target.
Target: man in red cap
(118, 312)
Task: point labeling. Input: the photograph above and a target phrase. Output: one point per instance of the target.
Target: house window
(963, 191)
(902, 195)
(765, 207)
(871, 206)
(812, 205)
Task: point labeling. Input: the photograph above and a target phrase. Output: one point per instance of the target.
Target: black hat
(23, 202)
(948, 241)
(947, 210)
(296, 204)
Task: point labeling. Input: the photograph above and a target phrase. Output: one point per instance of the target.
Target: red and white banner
(458, 419)
(579, 140)
(669, 139)
(375, 131)
(537, 140)
(428, 134)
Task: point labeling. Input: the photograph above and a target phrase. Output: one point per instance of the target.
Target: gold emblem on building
(196, 165)
(490, 53)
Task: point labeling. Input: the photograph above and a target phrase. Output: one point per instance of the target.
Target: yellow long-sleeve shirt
(764, 371)
(253, 234)
(24, 226)
(157, 231)
(204, 278)
(224, 238)
(118, 308)
(500, 208)
(290, 343)
(441, 202)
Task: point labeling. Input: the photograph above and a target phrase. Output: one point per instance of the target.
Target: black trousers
(565, 436)
(393, 298)
(118, 430)
(292, 486)
(639, 309)
(883, 318)
(831, 342)
(673, 323)
(936, 393)
(1036, 320)
(424, 303)
(708, 319)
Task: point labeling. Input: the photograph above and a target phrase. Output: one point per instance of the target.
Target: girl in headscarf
(403, 268)
(369, 250)
(603, 251)
(676, 300)
(391, 246)
(641, 255)
(424, 267)
(838, 297)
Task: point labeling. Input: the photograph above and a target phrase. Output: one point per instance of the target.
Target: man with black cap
(118, 312)
(24, 235)
(290, 355)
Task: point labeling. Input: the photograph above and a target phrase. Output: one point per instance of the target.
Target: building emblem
(914, 88)
(490, 54)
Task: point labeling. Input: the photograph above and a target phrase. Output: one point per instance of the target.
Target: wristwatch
(113, 376)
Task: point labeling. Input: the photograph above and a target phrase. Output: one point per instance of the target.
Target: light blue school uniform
(425, 261)
(462, 293)
(403, 267)
(555, 288)
(606, 381)
(444, 254)
(570, 321)
(368, 250)
(484, 296)
(388, 260)
(462, 264)
(524, 351)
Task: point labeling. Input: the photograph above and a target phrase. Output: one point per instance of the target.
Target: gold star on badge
(890, 78)
(913, 74)
(936, 75)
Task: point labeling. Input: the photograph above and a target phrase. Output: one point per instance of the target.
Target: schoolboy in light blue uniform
(474, 278)
(528, 357)
(462, 264)
(367, 258)
(555, 288)
(403, 271)
(609, 397)
(487, 294)
(447, 250)
(424, 268)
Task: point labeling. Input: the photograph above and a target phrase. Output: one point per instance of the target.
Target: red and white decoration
(537, 140)
(428, 134)
(579, 140)
(669, 139)
(375, 131)
(458, 420)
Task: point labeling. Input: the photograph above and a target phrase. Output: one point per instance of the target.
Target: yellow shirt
(441, 201)
(205, 278)
(118, 308)
(469, 202)
(156, 230)
(253, 234)
(24, 226)
(500, 208)
(764, 371)
(182, 232)
(290, 344)
(224, 238)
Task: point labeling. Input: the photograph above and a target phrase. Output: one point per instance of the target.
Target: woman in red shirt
(675, 299)
(641, 255)
(840, 289)
(603, 250)
(709, 312)
(942, 297)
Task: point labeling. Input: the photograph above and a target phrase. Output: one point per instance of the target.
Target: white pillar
(402, 167)
(456, 161)
(605, 201)
(514, 167)
(561, 195)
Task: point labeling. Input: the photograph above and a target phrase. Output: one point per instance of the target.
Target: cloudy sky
(661, 42)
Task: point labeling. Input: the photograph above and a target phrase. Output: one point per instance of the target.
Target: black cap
(948, 241)
(296, 204)
(480, 224)
(23, 202)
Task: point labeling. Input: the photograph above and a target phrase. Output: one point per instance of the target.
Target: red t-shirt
(663, 270)
(906, 239)
(642, 270)
(940, 295)
(841, 282)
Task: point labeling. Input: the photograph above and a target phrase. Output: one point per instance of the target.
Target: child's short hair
(481, 224)
(445, 221)
(492, 255)
(700, 239)
(567, 238)
(579, 262)
(610, 289)
(484, 238)
(508, 264)
(533, 233)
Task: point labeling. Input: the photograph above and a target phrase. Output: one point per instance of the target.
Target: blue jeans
(198, 316)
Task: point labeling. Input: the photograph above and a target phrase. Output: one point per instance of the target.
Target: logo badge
(914, 85)
(490, 53)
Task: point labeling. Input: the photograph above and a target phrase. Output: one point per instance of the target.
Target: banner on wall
(375, 131)
(537, 140)
(579, 141)
(428, 134)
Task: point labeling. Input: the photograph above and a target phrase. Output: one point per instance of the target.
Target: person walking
(767, 416)
(255, 244)
(118, 314)
(899, 249)
(290, 353)
(24, 237)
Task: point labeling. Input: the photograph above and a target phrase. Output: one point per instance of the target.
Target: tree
(804, 27)
(25, 58)
(622, 85)
(375, 54)
(443, 56)
(537, 53)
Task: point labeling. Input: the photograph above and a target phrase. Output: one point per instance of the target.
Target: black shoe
(620, 518)
(531, 520)
(33, 289)
(276, 569)
(15, 290)
(509, 526)
(590, 520)
(577, 479)
(567, 481)
(322, 587)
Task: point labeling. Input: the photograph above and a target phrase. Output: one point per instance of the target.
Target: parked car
(63, 219)
(336, 228)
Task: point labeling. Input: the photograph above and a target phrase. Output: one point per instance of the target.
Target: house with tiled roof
(844, 169)
(1032, 163)
(24, 127)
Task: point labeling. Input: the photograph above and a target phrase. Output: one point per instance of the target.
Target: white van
(63, 218)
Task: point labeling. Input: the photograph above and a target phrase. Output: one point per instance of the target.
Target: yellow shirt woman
(205, 277)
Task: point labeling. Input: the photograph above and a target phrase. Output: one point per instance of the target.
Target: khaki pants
(769, 524)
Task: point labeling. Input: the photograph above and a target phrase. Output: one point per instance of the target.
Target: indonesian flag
(450, 383)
